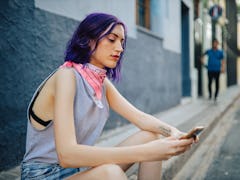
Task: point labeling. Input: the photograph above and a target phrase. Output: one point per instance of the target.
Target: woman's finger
(184, 142)
(196, 140)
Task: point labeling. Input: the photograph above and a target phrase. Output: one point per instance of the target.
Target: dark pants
(211, 76)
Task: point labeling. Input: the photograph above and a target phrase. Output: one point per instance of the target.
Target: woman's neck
(96, 68)
(96, 64)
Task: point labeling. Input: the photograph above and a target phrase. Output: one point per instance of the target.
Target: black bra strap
(37, 119)
(34, 116)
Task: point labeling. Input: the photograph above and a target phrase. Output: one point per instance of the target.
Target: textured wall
(16, 53)
(32, 44)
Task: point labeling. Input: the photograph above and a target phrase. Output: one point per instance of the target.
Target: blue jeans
(45, 171)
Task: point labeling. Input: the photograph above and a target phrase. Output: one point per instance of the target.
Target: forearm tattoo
(165, 131)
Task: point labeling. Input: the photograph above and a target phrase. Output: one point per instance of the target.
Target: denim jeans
(45, 171)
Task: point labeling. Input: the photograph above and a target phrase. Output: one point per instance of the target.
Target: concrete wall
(32, 45)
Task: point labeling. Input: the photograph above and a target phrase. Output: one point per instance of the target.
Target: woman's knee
(113, 171)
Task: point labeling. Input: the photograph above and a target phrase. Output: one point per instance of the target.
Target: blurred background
(161, 68)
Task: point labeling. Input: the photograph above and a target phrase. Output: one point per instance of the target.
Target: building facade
(224, 28)
(158, 68)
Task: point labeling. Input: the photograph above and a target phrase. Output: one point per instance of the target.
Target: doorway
(185, 58)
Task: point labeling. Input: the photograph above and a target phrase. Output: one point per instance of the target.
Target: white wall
(78, 9)
(171, 24)
(156, 17)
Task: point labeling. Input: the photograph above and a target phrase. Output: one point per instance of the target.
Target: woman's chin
(111, 65)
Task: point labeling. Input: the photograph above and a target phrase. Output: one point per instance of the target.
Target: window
(143, 13)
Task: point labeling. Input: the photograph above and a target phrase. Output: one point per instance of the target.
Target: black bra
(34, 116)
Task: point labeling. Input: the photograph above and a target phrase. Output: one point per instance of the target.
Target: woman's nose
(119, 47)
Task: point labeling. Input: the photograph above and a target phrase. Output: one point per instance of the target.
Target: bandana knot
(92, 74)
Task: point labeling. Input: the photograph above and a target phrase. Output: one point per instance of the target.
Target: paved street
(217, 158)
(226, 164)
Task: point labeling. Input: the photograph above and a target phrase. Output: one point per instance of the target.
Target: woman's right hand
(163, 149)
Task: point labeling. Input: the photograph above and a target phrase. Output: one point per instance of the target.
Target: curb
(174, 165)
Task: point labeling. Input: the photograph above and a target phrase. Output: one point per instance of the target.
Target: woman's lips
(116, 57)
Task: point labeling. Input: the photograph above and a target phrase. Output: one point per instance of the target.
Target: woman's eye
(111, 40)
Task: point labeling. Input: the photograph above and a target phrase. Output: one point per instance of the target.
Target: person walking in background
(215, 65)
(70, 107)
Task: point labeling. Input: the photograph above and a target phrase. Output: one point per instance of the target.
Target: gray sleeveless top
(90, 116)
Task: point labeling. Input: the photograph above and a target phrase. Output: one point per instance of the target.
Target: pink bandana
(94, 75)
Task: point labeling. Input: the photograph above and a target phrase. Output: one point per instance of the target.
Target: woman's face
(109, 49)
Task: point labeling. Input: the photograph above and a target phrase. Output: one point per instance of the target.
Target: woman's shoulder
(65, 75)
(64, 72)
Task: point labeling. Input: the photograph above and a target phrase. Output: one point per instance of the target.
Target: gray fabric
(90, 116)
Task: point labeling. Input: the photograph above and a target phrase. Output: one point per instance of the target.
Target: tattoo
(165, 131)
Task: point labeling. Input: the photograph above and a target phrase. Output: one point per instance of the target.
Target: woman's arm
(71, 154)
(142, 120)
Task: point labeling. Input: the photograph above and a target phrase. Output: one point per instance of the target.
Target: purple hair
(92, 28)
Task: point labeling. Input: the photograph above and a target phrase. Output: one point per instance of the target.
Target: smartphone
(193, 133)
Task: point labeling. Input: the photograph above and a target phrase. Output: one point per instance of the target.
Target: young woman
(69, 109)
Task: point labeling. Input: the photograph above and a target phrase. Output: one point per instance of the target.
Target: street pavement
(226, 165)
(214, 157)
(184, 116)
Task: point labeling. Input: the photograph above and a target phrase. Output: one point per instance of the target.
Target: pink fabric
(94, 75)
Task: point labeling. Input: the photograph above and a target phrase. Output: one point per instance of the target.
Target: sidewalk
(184, 117)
